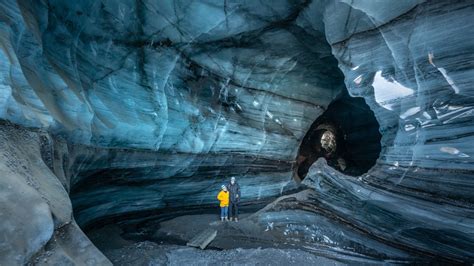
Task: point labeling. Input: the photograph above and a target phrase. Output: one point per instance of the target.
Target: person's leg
(226, 212)
(236, 210)
(222, 213)
(230, 211)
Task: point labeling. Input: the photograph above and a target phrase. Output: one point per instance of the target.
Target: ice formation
(119, 108)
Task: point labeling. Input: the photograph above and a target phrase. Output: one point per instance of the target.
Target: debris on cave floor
(245, 233)
(150, 253)
(277, 227)
(203, 239)
(232, 246)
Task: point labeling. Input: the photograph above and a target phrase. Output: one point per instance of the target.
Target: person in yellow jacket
(223, 198)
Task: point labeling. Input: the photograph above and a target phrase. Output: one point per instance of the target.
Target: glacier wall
(154, 104)
(417, 82)
(229, 97)
(415, 71)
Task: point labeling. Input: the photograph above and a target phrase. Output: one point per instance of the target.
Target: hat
(223, 187)
(232, 178)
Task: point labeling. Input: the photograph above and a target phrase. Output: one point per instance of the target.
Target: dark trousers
(234, 208)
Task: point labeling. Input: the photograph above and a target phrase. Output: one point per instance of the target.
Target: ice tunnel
(346, 135)
(349, 126)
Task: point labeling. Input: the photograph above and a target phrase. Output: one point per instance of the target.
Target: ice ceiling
(124, 107)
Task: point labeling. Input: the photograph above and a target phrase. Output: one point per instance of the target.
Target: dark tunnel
(346, 135)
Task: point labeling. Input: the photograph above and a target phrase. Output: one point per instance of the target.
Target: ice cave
(348, 125)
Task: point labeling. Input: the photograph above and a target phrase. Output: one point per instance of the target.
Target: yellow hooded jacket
(223, 197)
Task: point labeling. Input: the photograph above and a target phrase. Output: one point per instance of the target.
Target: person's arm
(238, 191)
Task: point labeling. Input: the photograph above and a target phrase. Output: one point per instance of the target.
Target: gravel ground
(150, 253)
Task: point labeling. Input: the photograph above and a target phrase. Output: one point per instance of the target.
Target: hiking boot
(236, 219)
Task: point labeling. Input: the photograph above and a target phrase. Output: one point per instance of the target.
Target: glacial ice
(139, 106)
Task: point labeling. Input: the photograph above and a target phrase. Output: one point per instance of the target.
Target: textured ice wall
(193, 78)
(210, 83)
(416, 71)
(416, 74)
(194, 92)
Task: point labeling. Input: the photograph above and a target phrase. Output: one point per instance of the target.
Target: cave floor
(150, 253)
(266, 234)
(242, 243)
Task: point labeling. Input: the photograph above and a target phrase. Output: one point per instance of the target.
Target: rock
(203, 239)
(35, 210)
(70, 245)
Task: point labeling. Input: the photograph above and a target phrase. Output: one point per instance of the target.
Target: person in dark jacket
(234, 190)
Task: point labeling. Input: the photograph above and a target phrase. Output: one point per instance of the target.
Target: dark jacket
(234, 191)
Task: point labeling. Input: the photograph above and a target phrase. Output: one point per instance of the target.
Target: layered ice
(149, 105)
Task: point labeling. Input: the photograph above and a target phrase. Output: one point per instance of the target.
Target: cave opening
(346, 135)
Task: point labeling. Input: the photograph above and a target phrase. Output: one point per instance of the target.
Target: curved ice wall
(158, 100)
(197, 92)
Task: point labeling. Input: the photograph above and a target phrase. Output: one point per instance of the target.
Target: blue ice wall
(413, 63)
(154, 92)
(192, 78)
(166, 93)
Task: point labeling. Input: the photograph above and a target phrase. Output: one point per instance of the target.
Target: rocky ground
(272, 235)
(229, 247)
(150, 253)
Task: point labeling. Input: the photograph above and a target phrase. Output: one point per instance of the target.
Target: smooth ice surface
(153, 104)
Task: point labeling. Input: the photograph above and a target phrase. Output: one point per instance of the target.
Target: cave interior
(348, 126)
